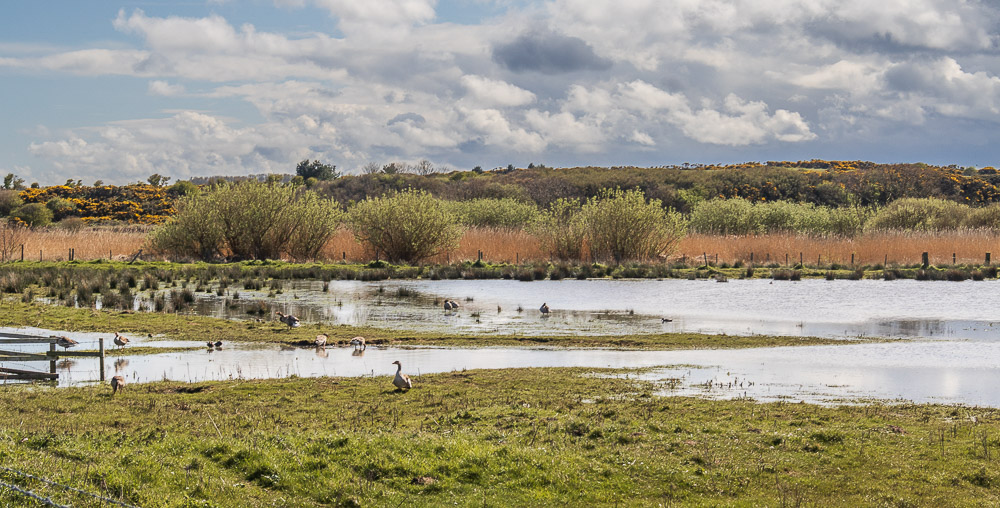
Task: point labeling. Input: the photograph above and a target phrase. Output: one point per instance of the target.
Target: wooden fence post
(987, 258)
(100, 347)
(52, 362)
(924, 260)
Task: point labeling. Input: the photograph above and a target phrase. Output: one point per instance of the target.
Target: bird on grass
(401, 380)
(359, 343)
(288, 319)
(117, 383)
(120, 340)
(544, 308)
(450, 305)
(321, 340)
(64, 341)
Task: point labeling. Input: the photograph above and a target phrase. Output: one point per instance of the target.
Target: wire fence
(48, 501)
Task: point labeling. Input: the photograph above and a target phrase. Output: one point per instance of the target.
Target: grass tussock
(518, 437)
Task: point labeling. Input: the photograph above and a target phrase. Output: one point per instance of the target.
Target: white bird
(401, 380)
(120, 340)
(288, 319)
(544, 308)
(359, 343)
(117, 383)
(321, 340)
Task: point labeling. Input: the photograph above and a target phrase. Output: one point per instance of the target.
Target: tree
(12, 236)
(371, 168)
(157, 180)
(393, 168)
(33, 215)
(9, 200)
(622, 225)
(424, 167)
(12, 182)
(316, 169)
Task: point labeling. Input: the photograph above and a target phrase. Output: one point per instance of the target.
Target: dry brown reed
(873, 248)
(509, 246)
(54, 244)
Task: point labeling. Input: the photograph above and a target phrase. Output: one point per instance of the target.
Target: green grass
(519, 437)
(199, 328)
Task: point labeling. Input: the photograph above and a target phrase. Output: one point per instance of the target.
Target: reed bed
(88, 244)
(967, 247)
(500, 245)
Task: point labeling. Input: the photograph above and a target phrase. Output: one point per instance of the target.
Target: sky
(119, 90)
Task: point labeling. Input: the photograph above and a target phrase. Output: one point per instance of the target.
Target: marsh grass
(517, 437)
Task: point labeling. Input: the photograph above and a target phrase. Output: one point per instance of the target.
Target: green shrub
(560, 230)
(987, 217)
(61, 207)
(407, 226)
(33, 214)
(250, 220)
(919, 214)
(183, 188)
(622, 225)
(10, 200)
(505, 213)
(724, 217)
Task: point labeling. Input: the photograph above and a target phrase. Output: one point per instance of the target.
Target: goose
(117, 383)
(288, 319)
(217, 344)
(120, 340)
(359, 343)
(665, 320)
(544, 308)
(210, 344)
(64, 341)
(321, 340)
(401, 380)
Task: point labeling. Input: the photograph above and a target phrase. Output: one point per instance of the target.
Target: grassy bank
(198, 328)
(533, 437)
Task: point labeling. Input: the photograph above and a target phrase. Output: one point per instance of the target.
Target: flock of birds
(400, 381)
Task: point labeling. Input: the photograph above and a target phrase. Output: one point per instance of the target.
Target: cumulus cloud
(158, 87)
(500, 93)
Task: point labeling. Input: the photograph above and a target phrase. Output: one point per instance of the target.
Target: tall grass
(53, 244)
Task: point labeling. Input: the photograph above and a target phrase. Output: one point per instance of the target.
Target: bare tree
(371, 168)
(12, 236)
(424, 167)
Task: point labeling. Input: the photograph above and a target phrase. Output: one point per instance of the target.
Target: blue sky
(116, 91)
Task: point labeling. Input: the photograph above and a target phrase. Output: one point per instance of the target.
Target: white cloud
(500, 93)
(158, 87)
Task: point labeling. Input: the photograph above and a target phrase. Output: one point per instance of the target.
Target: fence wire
(54, 484)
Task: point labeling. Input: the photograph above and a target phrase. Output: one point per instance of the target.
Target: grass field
(535, 437)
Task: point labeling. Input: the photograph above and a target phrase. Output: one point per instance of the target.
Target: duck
(217, 344)
(117, 383)
(210, 344)
(321, 340)
(544, 308)
(359, 343)
(120, 340)
(401, 380)
(665, 320)
(64, 341)
(288, 319)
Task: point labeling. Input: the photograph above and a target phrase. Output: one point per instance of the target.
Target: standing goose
(117, 383)
(64, 341)
(401, 380)
(321, 340)
(544, 308)
(288, 319)
(447, 305)
(120, 340)
(359, 343)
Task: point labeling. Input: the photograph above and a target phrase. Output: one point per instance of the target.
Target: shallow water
(903, 308)
(953, 359)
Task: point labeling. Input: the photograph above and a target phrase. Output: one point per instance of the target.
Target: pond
(902, 308)
(951, 356)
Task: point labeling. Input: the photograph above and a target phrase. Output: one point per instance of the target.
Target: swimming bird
(210, 344)
(64, 341)
(401, 380)
(120, 340)
(117, 383)
(288, 319)
(321, 340)
(218, 344)
(665, 320)
(359, 343)
(544, 308)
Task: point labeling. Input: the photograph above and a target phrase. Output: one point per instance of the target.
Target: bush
(72, 224)
(61, 207)
(250, 220)
(987, 217)
(10, 200)
(724, 217)
(560, 230)
(183, 188)
(407, 226)
(919, 214)
(503, 213)
(33, 214)
(622, 225)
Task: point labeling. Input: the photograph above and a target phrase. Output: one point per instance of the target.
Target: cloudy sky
(118, 90)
